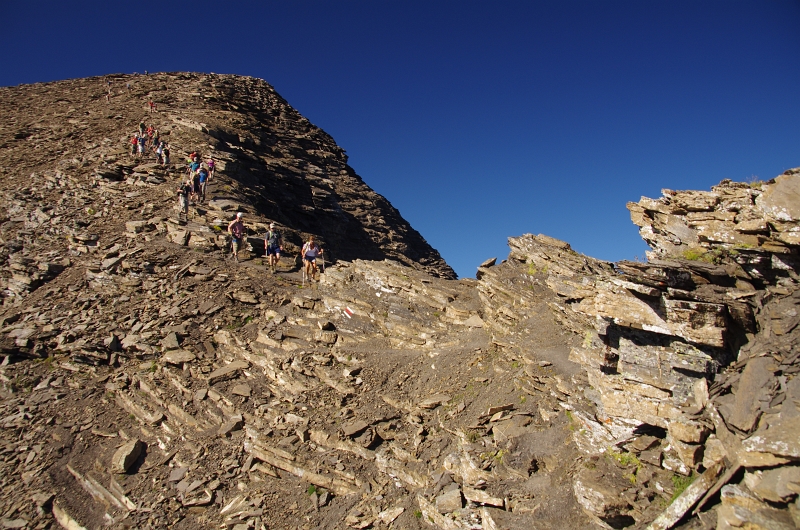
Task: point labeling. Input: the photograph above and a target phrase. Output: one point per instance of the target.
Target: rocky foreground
(149, 382)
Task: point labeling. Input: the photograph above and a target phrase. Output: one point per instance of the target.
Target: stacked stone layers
(705, 349)
(733, 215)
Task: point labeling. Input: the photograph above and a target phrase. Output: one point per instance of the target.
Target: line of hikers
(273, 246)
(194, 187)
(149, 138)
(198, 174)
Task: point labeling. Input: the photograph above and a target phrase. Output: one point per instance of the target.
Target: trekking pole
(304, 273)
(323, 264)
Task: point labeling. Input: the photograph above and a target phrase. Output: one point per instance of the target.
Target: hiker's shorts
(236, 244)
(273, 250)
(311, 259)
(183, 202)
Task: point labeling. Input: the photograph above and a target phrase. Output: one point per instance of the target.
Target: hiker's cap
(272, 225)
(239, 215)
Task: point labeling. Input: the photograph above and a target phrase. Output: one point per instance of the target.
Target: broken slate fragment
(178, 357)
(177, 474)
(474, 322)
(245, 297)
(494, 410)
(754, 381)
(388, 516)
(481, 497)
(171, 342)
(234, 423)
(778, 485)
(352, 429)
(449, 501)
(434, 401)
(241, 390)
(229, 371)
(126, 455)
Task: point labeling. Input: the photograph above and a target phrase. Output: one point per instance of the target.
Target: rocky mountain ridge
(149, 382)
(272, 160)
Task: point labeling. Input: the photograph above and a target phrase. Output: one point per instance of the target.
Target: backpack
(272, 238)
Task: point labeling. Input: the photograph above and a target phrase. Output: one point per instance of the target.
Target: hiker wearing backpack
(236, 230)
(183, 199)
(273, 245)
(310, 252)
(202, 181)
(196, 186)
(194, 165)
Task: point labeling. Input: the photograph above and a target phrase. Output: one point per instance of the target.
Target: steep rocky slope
(69, 137)
(148, 382)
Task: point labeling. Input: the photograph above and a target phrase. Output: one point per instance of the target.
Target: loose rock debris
(148, 382)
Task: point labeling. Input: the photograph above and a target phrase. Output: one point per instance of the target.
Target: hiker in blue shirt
(202, 177)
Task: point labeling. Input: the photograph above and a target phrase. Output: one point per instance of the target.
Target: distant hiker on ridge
(273, 245)
(236, 230)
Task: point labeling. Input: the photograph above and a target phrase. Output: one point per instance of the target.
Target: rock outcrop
(147, 381)
(691, 357)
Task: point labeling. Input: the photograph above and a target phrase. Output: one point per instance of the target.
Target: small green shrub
(694, 254)
(680, 483)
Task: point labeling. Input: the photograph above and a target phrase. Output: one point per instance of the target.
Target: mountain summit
(273, 161)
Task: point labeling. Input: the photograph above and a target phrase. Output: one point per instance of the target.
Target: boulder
(126, 456)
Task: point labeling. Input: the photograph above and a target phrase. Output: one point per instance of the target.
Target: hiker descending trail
(310, 252)
(201, 180)
(211, 167)
(273, 245)
(236, 230)
(183, 199)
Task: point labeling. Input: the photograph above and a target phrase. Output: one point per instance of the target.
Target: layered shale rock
(689, 361)
(65, 136)
(149, 382)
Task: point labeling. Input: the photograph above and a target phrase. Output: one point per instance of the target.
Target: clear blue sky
(479, 120)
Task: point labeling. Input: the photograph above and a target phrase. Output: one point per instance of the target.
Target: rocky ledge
(147, 381)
